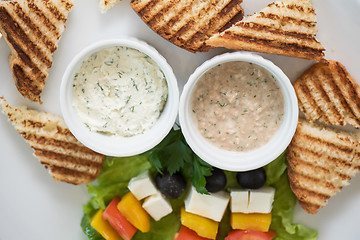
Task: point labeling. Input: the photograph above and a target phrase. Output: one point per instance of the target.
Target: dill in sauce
(237, 106)
(119, 91)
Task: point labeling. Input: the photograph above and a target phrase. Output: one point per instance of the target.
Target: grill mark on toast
(236, 18)
(289, 47)
(305, 93)
(306, 198)
(161, 23)
(35, 29)
(153, 22)
(318, 88)
(209, 28)
(320, 170)
(28, 123)
(329, 81)
(67, 5)
(302, 180)
(322, 143)
(25, 60)
(315, 155)
(59, 16)
(177, 36)
(189, 43)
(294, 7)
(311, 207)
(50, 26)
(350, 92)
(24, 84)
(14, 31)
(278, 32)
(288, 19)
(49, 141)
(336, 91)
(54, 157)
(147, 9)
(299, 191)
(177, 18)
(76, 177)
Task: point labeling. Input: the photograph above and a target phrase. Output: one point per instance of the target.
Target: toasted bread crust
(105, 5)
(188, 24)
(326, 92)
(285, 28)
(32, 29)
(321, 160)
(56, 148)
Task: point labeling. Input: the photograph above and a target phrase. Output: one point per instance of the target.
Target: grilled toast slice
(56, 148)
(321, 160)
(327, 93)
(285, 27)
(105, 5)
(32, 29)
(187, 23)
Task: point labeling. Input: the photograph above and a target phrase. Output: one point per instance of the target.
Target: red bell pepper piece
(188, 234)
(250, 235)
(118, 221)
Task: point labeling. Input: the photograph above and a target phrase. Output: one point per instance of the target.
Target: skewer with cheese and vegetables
(199, 218)
(251, 207)
(124, 216)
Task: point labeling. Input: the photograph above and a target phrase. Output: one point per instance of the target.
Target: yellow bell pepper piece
(103, 227)
(204, 227)
(132, 210)
(253, 221)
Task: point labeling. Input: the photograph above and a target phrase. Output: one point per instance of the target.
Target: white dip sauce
(237, 106)
(119, 91)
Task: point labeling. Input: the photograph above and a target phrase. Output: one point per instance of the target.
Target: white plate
(33, 206)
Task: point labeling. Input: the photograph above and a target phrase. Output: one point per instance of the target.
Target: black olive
(172, 186)
(216, 181)
(253, 179)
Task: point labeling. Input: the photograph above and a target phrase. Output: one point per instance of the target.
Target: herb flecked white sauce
(119, 91)
(237, 106)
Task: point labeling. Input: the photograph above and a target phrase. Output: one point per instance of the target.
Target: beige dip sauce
(237, 106)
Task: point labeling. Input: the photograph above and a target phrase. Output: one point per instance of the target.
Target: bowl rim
(118, 146)
(239, 161)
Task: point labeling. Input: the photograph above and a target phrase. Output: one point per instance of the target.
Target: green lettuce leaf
(284, 204)
(113, 180)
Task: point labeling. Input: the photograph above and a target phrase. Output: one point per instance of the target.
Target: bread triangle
(32, 29)
(285, 27)
(326, 92)
(56, 148)
(321, 161)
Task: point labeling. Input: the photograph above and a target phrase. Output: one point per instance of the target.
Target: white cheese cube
(157, 206)
(239, 201)
(211, 206)
(142, 186)
(261, 200)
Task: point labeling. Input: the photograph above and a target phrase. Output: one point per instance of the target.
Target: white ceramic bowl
(231, 160)
(117, 145)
